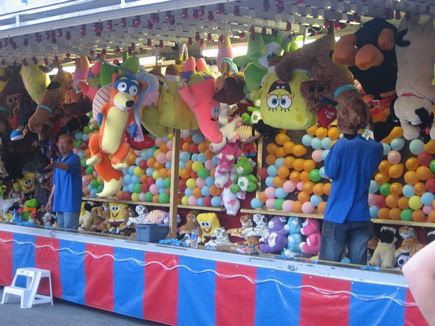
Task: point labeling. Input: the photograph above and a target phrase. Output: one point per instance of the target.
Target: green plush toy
(129, 65)
(244, 181)
(282, 105)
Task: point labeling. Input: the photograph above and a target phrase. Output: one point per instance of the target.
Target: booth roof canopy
(59, 31)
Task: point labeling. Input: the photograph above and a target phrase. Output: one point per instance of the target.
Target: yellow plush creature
(118, 217)
(35, 81)
(208, 222)
(27, 183)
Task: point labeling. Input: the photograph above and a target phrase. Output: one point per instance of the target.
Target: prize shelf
(202, 208)
(400, 222)
(280, 213)
(115, 200)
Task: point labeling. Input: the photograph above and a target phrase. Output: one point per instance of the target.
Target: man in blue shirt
(66, 195)
(350, 164)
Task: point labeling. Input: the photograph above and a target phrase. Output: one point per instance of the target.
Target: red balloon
(143, 165)
(430, 185)
(193, 174)
(193, 148)
(144, 187)
(424, 158)
(263, 173)
(126, 196)
(207, 201)
(379, 201)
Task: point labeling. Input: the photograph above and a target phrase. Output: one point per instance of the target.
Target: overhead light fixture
(148, 61)
(238, 50)
(70, 69)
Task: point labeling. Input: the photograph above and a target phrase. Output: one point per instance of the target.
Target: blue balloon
(322, 172)
(279, 162)
(143, 155)
(93, 192)
(272, 170)
(326, 143)
(306, 140)
(168, 165)
(325, 153)
(188, 192)
(85, 137)
(138, 160)
(416, 146)
(316, 143)
(162, 191)
(397, 144)
(80, 154)
(215, 160)
(209, 181)
(131, 170)
(90, 187)
(316, 200)
(149, 171)
(269, 181)
(130, 187)
(78, 135)
(256, 203)
(408, 191)
(125, 188)
(427, 198)
(387, 148)
(205, 191)
(200, 201)
(182, 165)
(197, 138)
(184, 156)
(194, 157)
(374, 187)
(280, 193)
(374, 210)
(135, 179)
(202, 158)
(216, 201)
(159, 183)
(127, 179)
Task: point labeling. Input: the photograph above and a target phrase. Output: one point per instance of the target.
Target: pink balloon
(287, 206)
(192, 201)
(208, 164)
(427, 209)
(200, 182)
(270, 192)
(158, 141)
(270, 203)
(161, 158)
(317, 155)
(300, 186)
(169, 144)
(307, 208)
(372, 200)
(142, 196)
(154, 189)
(394, 157)
(168, 156)
(289, 186)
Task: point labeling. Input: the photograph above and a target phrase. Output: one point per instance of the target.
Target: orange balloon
(305, 176)
(214, 191)
(297, 207)
(312, 130)
(318, 189)
(431, 216)
(271, 148)
(419, 188)
(87, 153)
(281, 138)
(288, 147)
(396, 171)
(309, 165)
(394, 214)
(424, 173)
(321, 207)
(155, 198)
(396, 188)
(201, 147)
(392, 201)
(303, 196)
(412, 163)
(308, 186)
(411, 177)
(384, 166)
(295, 176)
(384, 213)
(189, 165)
(158, 166)
(288, 162)
(163, 173)
(403, 203)
(327, 188)
(321, 132)
(278, 182)
(397, 132)
(270, 159)
(283, 172)
(150, 162)
(418, 216)
(299, 150)
(261, 196)
(163, 148)
(381, 178)
(143, 178)
(185, 147)
(280, 152)
(333, 133)
(196, 192)
(298, 164)
(430, 146)
(208, 154)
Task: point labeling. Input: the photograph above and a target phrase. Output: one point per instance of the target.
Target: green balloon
(385, 189)
(77, 143)
(163, 198)
(406, 215)
(166, 183)
(89, 170)
(278, 203)
(136, 188)
(83, 161)
(432, 166)
(94, 183)
(148, 197)
(86, 130)
(100, 188)
(203, 173)
(315, 175)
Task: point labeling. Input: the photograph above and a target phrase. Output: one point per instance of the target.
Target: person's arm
(74, 166)
(420, 274)
(49, 205)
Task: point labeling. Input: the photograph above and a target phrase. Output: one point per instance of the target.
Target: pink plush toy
(231, 202)
(156, 216)
(311, 229)
(224, 168)
(198, 93)
(81, 72)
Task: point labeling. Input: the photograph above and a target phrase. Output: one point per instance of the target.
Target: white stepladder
(29, 295)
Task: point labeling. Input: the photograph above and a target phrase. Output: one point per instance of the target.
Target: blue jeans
(67, 220)
(335, 238)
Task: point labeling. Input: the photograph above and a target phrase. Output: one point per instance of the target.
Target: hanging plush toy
(36, 80)
(198, 93)
(416, 94)
(108, 147)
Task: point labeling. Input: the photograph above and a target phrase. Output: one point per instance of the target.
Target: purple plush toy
(277, 239)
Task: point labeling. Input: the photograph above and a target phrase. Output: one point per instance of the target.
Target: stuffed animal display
(294, 238)
(384, 252)
(208, 222)
(118, 217)
(311, 245)
(276, 241)
(409, 246)
(220, 238)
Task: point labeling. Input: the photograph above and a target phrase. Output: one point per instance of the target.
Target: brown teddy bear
(329, 84)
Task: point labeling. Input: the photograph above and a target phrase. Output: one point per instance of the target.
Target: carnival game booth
(217, 166)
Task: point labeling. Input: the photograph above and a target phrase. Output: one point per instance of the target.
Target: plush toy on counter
(141, 212)
(409, 246)
(191, 223)
(416, 94)
(156, 216)
(85, 218)
(294, 238)
(118, 217)
(384, 252)
(208, 222)
(276, 241)
(310, 229)
(219, 239)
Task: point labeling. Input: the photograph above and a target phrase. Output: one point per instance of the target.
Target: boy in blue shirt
(350, 164)
(66, 195)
